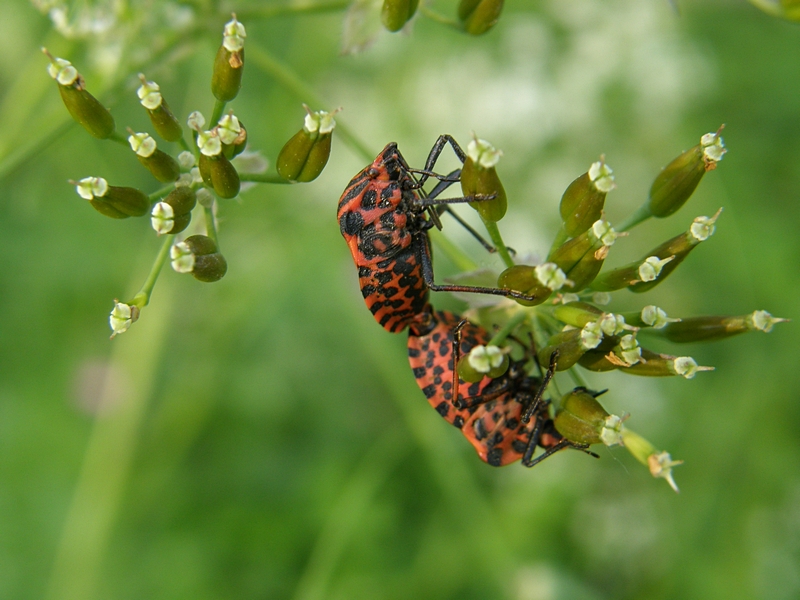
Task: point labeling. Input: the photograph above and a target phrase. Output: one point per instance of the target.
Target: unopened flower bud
(662, 365)
(198, 255)
(396, 13)
(571, 345)
(479, 178)
(666, 257)
(122, 317)
(582, 257)
(706, 329)
(173, 214)
(523, 279)
(113, 201)
(580, 418)
(218, 172)
(577, 314)
(226, 79)
(479, 16)
(82, 106)
(659, 463)
(164, 122)
(650, 316)
(160, 164)
(583, 200)
(305, 155)
(678, 180)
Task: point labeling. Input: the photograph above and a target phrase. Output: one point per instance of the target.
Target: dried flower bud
(198, 255)
(678, 180)
(659, 463)
(82, 106)
(305, 155)
(396, 13)
(583, 200)
(580, 418)
(479, 16)
(226, 79)
(112, 201)
(164, 122)
(479, 178)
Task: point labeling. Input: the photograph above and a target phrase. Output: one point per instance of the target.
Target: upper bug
(384, 216)
(503, 418)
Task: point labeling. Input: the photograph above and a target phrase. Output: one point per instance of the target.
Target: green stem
(211, 224)
(440, 18)
(216, 115)
(263, 178)
(185, 145)
(497, 240)
(142, 298)
(158, 194)
(451, 251)
(499, 337)
(119, 138)
(289, 80)
(642, 214)
(577, 377)
(267, 12)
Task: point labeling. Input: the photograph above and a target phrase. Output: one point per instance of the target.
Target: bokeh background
(262, 437)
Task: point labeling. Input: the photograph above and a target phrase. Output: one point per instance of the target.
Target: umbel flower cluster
(488, 373)
(211, 163)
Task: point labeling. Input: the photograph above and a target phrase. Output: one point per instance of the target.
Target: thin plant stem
(263, 178)
(463, 262)
(211, 224)
(440, 18)
(142, 298)
(577, 378)
(497, 240)
(499, 337)
(292, 82)
(185, 145)
(119, 139)
(642, 214)
(216, 114)
(161, 193)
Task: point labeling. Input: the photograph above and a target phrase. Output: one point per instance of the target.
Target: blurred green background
(262, 437)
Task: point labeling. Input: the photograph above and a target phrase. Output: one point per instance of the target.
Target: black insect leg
(436, 151)
(537, 398)
(423, 251)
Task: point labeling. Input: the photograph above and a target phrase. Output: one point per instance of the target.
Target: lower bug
(384, 216)
(492, 412)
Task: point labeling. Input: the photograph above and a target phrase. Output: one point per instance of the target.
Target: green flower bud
(226, 79)
(122, 317)
(674, 251)
(232, 136)
(305, 155)
(161, 165)
(522, 278)
(479, 16)
(198, 255)
(706, 329)
(164, 122)
(678, 180)
(662, 365)
(112, 201)
(82, 106)
(488, 360)
(577, 314)
(467, 372)
(597, 361)
(173, 214)
(479, 178)
(396, 13)
(647, 270)
(659, 463)
(582, 257)
(571, 345)
(218, 172)
(583, 200)
(580, 418)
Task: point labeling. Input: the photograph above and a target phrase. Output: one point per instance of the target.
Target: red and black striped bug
(384, 216)
(503, 418)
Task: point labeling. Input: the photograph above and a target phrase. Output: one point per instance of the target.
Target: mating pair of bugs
(384, 216)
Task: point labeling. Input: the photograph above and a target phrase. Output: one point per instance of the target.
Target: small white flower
(611, 434)
(122, 317)
(591, 335)
(551, 276)
(62, 71)
(604, 232)
(89, 188)
(196, 121)
(142, 143)
(209, 143)
(162, 218)
(186, 159)
(703, 228)
(660, 465)
(763, 321)
(713, 147)
(233, 35)
(182, 257)
(483, 153)
(687, 367)
(320, 120)
(601, 175)
(650, 269)
(149, 94)
(485, 358)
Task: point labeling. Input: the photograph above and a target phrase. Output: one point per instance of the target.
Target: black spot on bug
(480, 429)
(419, 372)
(429, 391)
(353, 192)
(443, 408)
(495, 457)
(369, 199)
(351, 223)
(519, 446)
(413, 352)
(459, 421)
(512, 423)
